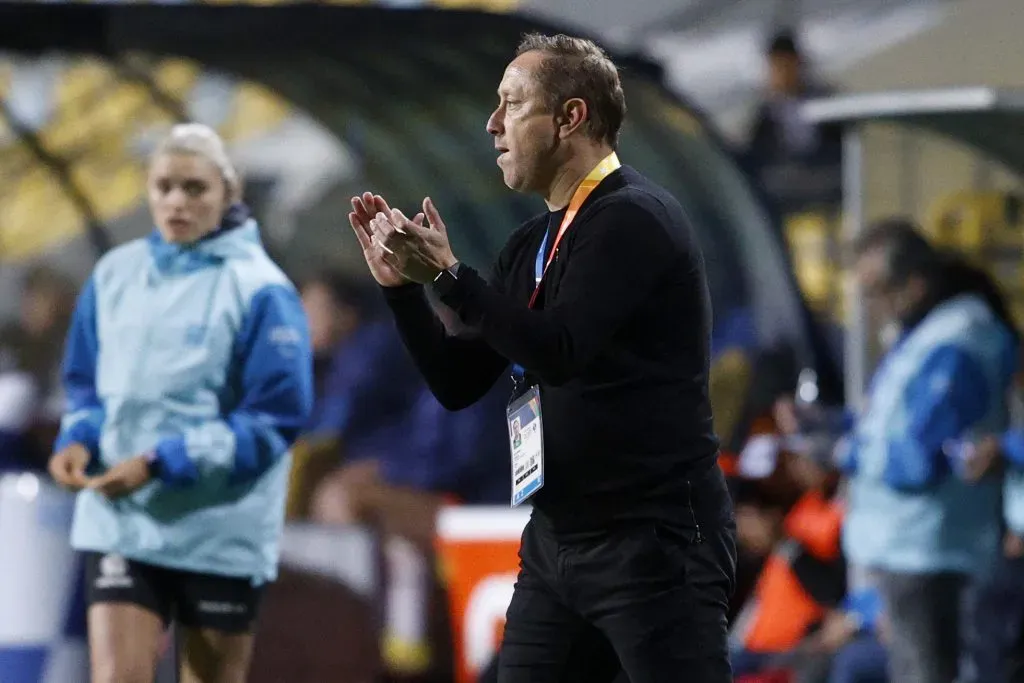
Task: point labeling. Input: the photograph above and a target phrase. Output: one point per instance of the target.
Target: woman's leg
(211, 656)
(124, 643)
(128, 608)
(217, 615)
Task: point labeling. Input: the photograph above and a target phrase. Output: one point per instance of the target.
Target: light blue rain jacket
(202, 356)
(1013, 484)
(947, 379)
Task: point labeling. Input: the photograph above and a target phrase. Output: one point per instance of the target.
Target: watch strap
(446, 279)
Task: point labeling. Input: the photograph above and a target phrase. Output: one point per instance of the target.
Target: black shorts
(208, 601)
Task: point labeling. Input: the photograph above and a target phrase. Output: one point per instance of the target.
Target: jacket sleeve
(950, 393)
(1012, 444)
(83, 416)
(864, 605)
(458, 370)
(275, 380)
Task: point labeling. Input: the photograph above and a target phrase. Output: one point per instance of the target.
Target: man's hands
(68, 469)
(398, 249)
(364, 209)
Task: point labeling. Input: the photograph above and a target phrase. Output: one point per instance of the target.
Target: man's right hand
(68, 467)
(364, 208)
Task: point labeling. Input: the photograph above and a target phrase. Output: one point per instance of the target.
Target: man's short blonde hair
(579, 68)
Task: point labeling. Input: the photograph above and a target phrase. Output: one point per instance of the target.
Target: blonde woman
(188, 372)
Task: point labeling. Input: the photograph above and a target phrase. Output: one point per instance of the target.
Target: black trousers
(925, 618)
(997, 624)
(642, 600)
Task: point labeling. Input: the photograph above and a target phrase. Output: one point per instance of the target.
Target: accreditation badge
(526, 439)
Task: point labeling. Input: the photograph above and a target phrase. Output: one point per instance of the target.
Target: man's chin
(515, 183)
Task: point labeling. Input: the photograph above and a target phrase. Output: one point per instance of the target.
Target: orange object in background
(817, 523)
(729, 463)
(781, 611)
(478, 550)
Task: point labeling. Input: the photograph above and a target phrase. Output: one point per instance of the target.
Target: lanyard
(607, 166)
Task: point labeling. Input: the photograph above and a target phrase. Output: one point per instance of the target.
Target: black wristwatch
(446, 279)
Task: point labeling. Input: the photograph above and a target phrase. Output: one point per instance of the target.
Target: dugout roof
(988, 119)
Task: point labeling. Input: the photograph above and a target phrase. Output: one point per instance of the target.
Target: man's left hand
(123, 478)
(982, 458)
(420, 252)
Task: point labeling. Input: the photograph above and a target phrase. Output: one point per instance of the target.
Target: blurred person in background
(30, 351)
(367, 391)
(811, 614)
(396, 482)
(796, 160)
(367, 382)
(923, 532)
(364, 383)
(335, 306)
(997, 637)
(188, 374)
(847, 645)
(855, 637)
(804, 574)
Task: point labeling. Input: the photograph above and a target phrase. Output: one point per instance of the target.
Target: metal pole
(910, 179)
(856, 346)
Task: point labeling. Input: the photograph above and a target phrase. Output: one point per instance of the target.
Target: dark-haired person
(600, 307)
(922, 531)
(359, 391)
(796, 160)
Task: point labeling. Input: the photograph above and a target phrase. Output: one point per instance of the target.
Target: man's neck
(569, 176)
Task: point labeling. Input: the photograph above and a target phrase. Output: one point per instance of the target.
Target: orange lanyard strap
(604, 169)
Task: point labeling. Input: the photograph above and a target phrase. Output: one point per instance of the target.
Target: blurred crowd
(880, 542)
(885, 543)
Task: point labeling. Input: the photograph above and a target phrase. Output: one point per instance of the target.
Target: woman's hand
(123, 478)
(67, 467)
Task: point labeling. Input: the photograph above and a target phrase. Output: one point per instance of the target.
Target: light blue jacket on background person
(1013, 484)
(199, 354)
(946, 379)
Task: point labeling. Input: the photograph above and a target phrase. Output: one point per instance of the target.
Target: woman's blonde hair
(201, 140)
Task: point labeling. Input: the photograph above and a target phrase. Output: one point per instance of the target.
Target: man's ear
(573, 115)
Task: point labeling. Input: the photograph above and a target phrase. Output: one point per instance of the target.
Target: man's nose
(494, 123)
